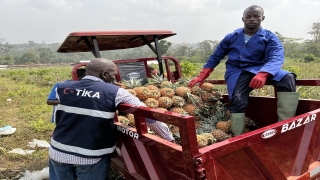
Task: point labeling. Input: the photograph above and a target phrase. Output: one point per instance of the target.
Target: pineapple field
(212, 118)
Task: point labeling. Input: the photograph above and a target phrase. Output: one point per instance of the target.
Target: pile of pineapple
(212, 119)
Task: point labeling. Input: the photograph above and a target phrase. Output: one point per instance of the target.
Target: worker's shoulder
(266, 33)
(235, 33)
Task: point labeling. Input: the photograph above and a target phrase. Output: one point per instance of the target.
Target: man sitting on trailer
(255, 55)
(84, 137)
(152, 70)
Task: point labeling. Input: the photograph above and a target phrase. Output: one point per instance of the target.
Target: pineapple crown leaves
(183, 81)
(193, 100)
(205, 128)
(156, 79)
(171, 85)
(132, 83)
(221, 110)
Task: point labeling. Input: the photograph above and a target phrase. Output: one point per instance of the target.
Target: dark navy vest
(84, 118)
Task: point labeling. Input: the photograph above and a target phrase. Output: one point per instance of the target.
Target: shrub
(309, 58)
(188, 69)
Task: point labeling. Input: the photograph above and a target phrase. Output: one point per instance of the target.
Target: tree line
(42, 53)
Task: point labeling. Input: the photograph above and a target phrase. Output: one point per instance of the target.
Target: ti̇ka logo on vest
(82, 92)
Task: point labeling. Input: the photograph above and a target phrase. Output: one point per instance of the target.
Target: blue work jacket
(262, 53)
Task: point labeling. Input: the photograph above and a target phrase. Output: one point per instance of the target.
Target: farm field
(23, 94)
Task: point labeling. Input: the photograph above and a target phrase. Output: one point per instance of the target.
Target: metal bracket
(200, 172)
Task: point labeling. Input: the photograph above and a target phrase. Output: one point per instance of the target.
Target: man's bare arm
(52, 102)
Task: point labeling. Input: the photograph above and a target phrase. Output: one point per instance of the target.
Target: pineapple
(163, 109)
(220, 135)
(224, 126)
(131, 119)
(143, 93)
(216, 94)
(178, 110)
(164, 84)
(165, 102)
(195, 100)
(197, 124)
(174, 129)
(155, 94)
(190, 109)
(209, 138)
(182, 91)
(195, 90)
(133, 92)
(178, 101)
(205, 96)
(123, 120)
(228, 113)
(167, 92)
(202, 141)
(207, 87)
(152, 87)
(151, 103)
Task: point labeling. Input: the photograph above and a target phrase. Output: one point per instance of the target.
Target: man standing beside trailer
(84, 137)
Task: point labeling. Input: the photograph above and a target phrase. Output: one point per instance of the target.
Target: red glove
(155, 72)
(202, 76)
(259, 80)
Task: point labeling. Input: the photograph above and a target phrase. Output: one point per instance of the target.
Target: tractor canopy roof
(111, 40)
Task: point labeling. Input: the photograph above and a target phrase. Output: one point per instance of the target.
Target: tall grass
(27, 111)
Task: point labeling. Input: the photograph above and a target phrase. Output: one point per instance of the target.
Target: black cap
(150, 68)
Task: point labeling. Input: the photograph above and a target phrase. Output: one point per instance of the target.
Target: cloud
(192, 20)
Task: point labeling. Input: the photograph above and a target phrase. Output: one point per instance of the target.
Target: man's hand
(202, 76)
(259, 80)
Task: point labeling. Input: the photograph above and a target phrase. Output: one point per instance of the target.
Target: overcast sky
(193, 20)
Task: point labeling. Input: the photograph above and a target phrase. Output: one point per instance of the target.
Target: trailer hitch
(200, 172)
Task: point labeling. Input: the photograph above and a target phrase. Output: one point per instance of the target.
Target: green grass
(28, 112)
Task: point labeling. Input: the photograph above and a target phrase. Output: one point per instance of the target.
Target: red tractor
(277, 150)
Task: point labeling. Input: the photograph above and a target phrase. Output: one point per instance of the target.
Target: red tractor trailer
(289, 149)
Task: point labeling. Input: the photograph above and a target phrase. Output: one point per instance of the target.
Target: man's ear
(103, 74)
(263, 18)
(242, 19)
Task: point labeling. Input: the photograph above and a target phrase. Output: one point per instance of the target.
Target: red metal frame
(171, 75)
(111, 40)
